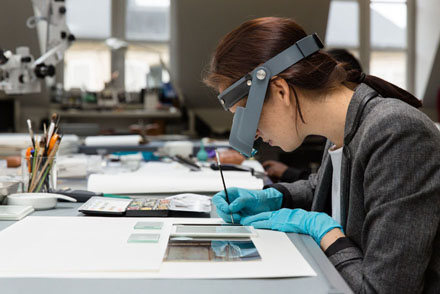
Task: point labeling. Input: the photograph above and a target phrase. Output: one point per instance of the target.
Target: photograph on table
(216, 250)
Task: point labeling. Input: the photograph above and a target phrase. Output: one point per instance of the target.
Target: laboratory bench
(327, 280)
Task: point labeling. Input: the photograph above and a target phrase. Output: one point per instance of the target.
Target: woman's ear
(280, 90)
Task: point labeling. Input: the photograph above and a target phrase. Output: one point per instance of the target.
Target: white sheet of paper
(162, 177)
(279, 258)
(83, 244)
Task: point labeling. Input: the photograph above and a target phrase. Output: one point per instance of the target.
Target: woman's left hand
(315, 224)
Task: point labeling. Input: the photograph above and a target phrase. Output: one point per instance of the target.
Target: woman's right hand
(244, 202)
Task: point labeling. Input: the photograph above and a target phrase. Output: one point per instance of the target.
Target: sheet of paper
(279, 258)
(78, 244)
(170, 178)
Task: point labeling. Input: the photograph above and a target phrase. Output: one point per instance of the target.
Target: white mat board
(279, 257)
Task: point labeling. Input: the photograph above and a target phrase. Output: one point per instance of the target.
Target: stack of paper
(159, 177)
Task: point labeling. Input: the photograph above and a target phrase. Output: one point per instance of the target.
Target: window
(86, 66)
(147, 20)
(140, 60)
(343, 25)
(388, 40)
(88, 60)
(89, 19)
(387, 35)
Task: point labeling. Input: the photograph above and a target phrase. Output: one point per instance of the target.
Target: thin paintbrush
(51, 128)
(31, 132)
(57, 122)
(223, 180)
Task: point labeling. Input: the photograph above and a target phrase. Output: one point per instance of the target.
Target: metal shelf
(118, 114)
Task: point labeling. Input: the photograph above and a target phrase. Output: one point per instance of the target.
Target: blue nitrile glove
(244, 202)
(315, 224)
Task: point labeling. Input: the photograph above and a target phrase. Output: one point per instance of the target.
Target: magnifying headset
(254, 85)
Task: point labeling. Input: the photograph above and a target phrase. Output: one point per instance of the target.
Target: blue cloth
(315, 224)
(244, 202)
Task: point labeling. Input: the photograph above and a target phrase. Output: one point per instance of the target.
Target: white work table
(328, 279)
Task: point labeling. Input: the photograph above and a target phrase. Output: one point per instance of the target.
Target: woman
(374, 205)
(278, 171)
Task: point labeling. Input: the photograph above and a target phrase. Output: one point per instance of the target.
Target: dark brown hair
(344, 56)
(256, 41)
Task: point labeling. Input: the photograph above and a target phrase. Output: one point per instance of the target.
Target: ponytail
(384, 88)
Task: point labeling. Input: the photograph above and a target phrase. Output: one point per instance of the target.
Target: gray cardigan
(390, 209)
